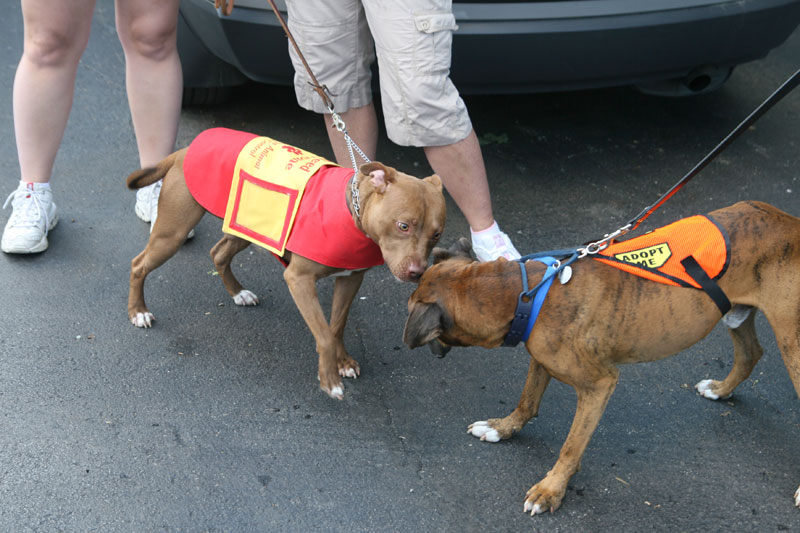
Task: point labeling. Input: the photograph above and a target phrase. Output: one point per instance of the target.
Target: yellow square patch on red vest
(268, 183)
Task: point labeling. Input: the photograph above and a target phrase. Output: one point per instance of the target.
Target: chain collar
(354, 197)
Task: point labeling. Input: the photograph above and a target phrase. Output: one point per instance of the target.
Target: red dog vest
(323, 229)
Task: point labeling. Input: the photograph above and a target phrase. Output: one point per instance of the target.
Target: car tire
(204, 96)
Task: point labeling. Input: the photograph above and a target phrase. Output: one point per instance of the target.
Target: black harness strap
(523, 313)
(710, 286)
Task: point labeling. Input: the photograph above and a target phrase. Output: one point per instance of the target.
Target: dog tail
(147, 176)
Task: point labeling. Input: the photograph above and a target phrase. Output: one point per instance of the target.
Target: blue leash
(530, 302)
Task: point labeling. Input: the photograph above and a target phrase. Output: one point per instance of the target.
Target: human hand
(226, 5)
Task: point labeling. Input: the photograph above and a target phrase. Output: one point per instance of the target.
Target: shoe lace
(27, 213)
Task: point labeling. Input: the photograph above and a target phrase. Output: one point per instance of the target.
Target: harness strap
(530, 302)
(710, 287)
(522, 313)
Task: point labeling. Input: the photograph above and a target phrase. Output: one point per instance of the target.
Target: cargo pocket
(433, 22)
(435, 41)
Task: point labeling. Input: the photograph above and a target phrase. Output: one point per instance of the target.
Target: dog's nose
(438, 349)
(415, 271)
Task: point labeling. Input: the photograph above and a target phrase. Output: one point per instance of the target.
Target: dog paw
(348, 367)
(533, 508)
(540, 499)
(706, 389)
(245, 297)
(143, 320)
(336, 392)
(349, 372)
(484, 431)
(797, 497)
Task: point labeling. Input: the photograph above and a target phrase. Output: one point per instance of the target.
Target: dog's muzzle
(438, 349)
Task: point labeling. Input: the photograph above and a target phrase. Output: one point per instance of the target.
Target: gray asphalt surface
(213, 421)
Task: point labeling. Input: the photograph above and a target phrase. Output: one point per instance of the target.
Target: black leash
(773, 99)
(528, 309)
(765, 106)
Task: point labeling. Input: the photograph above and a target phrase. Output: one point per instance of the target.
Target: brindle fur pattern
(605, 317)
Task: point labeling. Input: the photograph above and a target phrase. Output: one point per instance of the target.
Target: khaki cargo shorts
(412, 38)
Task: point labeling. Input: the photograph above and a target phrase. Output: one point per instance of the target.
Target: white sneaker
(147, 202)
(34, 214)
(491, 244)
(146, 206)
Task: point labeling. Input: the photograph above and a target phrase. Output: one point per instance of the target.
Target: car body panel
(518, 47)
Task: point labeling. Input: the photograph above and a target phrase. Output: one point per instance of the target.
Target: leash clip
(596, 247)
(352, 147)
(338, 123)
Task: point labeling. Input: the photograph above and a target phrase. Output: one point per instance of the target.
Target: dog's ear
(434, 180)
(380, 176)
(425, 322)
(461, 248)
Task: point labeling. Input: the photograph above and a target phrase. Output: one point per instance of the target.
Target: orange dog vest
(658, 254)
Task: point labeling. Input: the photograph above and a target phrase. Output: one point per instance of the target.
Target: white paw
(348, 373)
(245, 297)
(704, 389)
(533, 509)
(143, 320)
(483, 431)
(797, 497)
(337, 393)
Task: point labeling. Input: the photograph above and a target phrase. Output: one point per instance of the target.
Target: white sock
(36, 186)
(485, 236)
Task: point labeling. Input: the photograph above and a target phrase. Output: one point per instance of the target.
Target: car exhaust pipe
(699, 80)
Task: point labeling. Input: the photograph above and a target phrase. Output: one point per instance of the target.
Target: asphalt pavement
(213, 421)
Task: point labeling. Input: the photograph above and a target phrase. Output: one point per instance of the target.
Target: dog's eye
(437, 235)
(402, 226)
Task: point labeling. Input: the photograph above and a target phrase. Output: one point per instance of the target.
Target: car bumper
(542, 46)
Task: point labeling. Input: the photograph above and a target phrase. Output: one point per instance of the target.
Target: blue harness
(530, 301)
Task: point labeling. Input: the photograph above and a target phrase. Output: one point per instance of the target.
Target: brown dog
(604, 317)
(403, 215)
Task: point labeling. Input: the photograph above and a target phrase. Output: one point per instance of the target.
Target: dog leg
(222, 254)
(746, 353)
(592, 399)
(165, 240)
(496, 429)
(344, 291)
(788, 337)
(301, 277)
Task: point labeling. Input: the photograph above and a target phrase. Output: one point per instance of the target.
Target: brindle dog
(605, 317)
